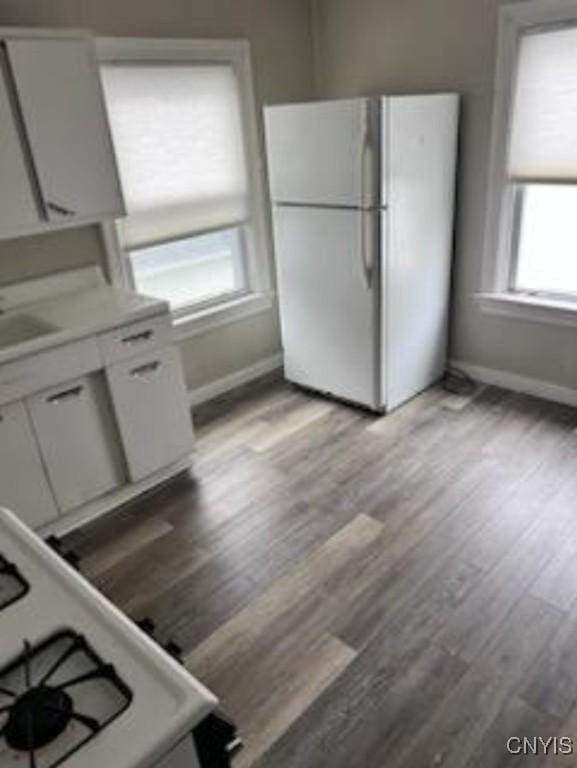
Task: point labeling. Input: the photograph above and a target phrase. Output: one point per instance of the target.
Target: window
(546, 257)
(532, 207)
(181, 117)
(193, 270)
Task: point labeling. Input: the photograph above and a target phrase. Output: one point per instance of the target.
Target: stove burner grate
(13, 585)
(43, 688)
(38, 717)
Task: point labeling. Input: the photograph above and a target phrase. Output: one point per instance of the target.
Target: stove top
(13, 585)
(55, 698)
(62, 704)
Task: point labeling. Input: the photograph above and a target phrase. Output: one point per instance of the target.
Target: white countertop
(74, 315)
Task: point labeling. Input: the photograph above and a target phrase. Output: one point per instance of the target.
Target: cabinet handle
(55, 208)
(142, 370)
(138, 338)
(67, 394)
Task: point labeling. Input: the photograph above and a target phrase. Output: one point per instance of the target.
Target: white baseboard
(234, 380)
(536, 387)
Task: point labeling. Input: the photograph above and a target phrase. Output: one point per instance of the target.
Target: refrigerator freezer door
(328, 297)
(322, 153)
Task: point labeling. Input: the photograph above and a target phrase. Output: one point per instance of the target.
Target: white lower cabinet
(152, 410)
(88, 425)
(78, 440)
(23, 484)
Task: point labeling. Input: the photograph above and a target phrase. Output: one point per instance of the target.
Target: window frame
(504, 198)
(256, 232)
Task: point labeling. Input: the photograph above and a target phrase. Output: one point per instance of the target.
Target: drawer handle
(60, 209)
(138, 338)
(67, 394)
(143, 370)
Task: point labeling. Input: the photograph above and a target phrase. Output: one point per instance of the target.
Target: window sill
(534, 309)
(221, 314)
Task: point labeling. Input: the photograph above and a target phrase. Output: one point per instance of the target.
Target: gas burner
(38, 717)
(54, 699)
(13, 585)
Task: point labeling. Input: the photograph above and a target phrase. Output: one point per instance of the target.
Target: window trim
(260, 295)
(497, 295)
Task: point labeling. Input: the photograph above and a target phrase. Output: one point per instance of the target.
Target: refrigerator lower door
(328, 290)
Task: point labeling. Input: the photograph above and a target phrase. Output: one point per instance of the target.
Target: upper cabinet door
(64, 118)
(19, 211)
(319, 153)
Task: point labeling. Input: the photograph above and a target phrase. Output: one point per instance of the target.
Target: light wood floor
(367, 592)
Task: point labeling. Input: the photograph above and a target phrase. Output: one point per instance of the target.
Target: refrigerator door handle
(367, 247)
(367, 161)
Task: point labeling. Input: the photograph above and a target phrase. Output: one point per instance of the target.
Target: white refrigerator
(363, 203)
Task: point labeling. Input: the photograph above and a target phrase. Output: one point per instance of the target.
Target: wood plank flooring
(363, 592)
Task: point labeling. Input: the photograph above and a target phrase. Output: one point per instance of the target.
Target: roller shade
(177, 132)
(543, 142)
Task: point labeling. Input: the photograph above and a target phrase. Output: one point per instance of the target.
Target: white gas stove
(80, 685)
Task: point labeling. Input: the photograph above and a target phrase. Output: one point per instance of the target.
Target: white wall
(280, 34)
(372, 46)
(360, 47)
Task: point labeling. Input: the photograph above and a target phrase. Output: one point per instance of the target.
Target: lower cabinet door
(78, 440)
(24, 488)
(152, 411)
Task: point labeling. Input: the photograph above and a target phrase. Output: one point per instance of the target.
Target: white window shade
(543, 142)
(177, 131)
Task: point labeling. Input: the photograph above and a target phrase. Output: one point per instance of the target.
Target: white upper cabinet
(53, 114)
(19, 210)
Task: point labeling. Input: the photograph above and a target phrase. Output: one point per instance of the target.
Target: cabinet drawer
(24, 488)
(152, 411)
(44, 369)
(135, 339)
(78, 440)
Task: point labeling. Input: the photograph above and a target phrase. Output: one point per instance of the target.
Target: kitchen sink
(16, 329)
